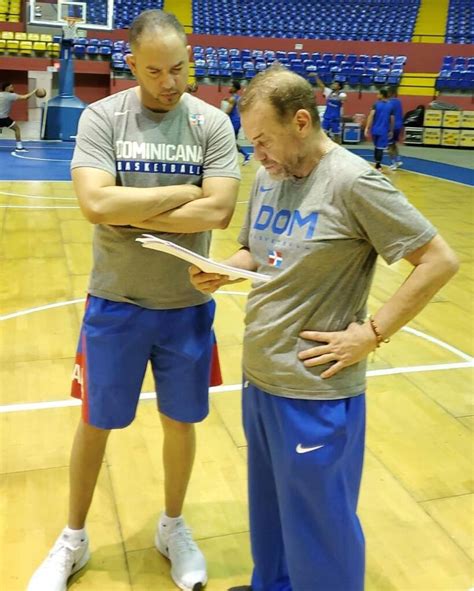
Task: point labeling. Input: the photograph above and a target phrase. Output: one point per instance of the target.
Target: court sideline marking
(467, 362)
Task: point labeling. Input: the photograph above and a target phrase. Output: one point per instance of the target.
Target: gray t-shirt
(6, 101)
(318, 238)
(142, 148)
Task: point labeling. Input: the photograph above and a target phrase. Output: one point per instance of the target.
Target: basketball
(40, 92)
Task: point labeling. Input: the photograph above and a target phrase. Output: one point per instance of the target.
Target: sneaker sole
(162, 550)
(82, 563)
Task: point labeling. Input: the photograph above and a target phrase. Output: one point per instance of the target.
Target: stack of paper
(206, 265)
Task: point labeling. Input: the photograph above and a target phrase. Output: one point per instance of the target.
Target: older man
(318, 218)
(152, 157)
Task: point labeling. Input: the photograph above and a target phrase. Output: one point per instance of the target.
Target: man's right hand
(206, 282)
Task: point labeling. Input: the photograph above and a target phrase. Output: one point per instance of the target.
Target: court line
(414, 331)
(438, 342)
(431, 176)
(30, 406)
(40, 309)
(26, 196)
(39, 207)
(467, 358)
(11, 144)
(40, 159)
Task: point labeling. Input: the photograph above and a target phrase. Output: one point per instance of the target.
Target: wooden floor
(417, 497)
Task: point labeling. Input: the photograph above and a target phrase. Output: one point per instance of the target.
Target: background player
(332, 118)
(7, 97)
(380, 124)
(397, 109)
(233, 111)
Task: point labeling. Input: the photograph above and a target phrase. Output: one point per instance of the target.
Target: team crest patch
(275, 258)
(196, 119)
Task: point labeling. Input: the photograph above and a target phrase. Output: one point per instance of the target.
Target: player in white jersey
(332, 118)
(7, 97)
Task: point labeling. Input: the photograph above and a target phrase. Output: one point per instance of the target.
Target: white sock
(19, 145)
(75, 535)
(170, 523)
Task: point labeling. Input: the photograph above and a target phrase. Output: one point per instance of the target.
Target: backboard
(91, 14)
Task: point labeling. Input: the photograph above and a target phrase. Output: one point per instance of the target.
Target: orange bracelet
(377, 333)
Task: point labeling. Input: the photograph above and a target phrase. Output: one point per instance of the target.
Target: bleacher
(28, 44)
(351, 69)
(457, 73)
(345, 20)
(10, 11)
(460, 23)
(125, 11)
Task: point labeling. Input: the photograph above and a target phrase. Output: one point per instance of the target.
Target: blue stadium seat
(92, 50)
(200, 72)
(381, 76)
(105, 51)
(355, 77)
(79, 51)
(395, 76)
(368, 76)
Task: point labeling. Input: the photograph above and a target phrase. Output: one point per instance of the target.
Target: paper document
(206, 265)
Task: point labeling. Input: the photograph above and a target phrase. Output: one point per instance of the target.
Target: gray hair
(286, 92)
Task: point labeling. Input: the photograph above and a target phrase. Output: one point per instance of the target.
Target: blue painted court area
(49, 161)
(448, 172)
(44, 161)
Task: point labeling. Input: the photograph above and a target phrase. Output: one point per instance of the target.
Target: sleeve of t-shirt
(385, 218)
(327, 91)
(220, 156)
(94, 142)
(244, 233)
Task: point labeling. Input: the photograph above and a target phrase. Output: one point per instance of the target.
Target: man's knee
(172, 426)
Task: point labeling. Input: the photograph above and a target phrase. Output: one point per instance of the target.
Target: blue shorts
(380, 140)
(332, 125)
(304, 470)
(118, 339)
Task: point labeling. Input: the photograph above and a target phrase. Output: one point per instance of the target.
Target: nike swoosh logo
(265, 189)
(304, 450)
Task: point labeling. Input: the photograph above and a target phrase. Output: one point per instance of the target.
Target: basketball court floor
(417, 494)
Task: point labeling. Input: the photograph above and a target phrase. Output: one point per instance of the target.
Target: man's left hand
(343, 348)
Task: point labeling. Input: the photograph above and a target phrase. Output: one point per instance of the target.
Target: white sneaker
(188, 565)
(393, 166)
(399, 163)
(62, 562)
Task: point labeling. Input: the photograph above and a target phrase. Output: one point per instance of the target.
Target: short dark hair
(5, 85)
(392, 91)
(286, 92)
(236, 85)
(151, 20)
(383, 92)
